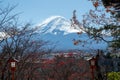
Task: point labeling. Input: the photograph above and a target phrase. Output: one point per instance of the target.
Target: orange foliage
(96, 4)
(66, 68)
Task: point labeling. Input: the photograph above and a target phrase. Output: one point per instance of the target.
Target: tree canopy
(101, 21)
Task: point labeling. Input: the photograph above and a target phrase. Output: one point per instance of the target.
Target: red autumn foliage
(96, 4)
(65, 68)
(61, 63)
(70, 54)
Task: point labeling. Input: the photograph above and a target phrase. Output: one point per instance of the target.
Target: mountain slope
(58, 31)
(66, 42)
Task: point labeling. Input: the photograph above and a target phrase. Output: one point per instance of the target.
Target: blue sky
(38, 10)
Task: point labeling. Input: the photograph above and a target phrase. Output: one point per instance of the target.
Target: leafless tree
(18, 41)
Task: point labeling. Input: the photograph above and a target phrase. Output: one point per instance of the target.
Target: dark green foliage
(115, 4)
(112, 6)
(115, 29)
(115, 32)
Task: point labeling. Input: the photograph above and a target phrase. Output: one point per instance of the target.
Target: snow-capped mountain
(61, 36)
(59, 32)
(55, 25)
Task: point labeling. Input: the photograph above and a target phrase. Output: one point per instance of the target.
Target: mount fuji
(56, 25)
(58, 31)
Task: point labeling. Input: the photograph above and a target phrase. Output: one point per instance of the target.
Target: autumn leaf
(96, 4)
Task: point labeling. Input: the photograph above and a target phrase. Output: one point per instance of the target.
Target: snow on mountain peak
(51, 19)
(56, 25)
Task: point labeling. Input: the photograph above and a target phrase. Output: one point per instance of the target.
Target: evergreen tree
(115, 29)
(99, 18)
